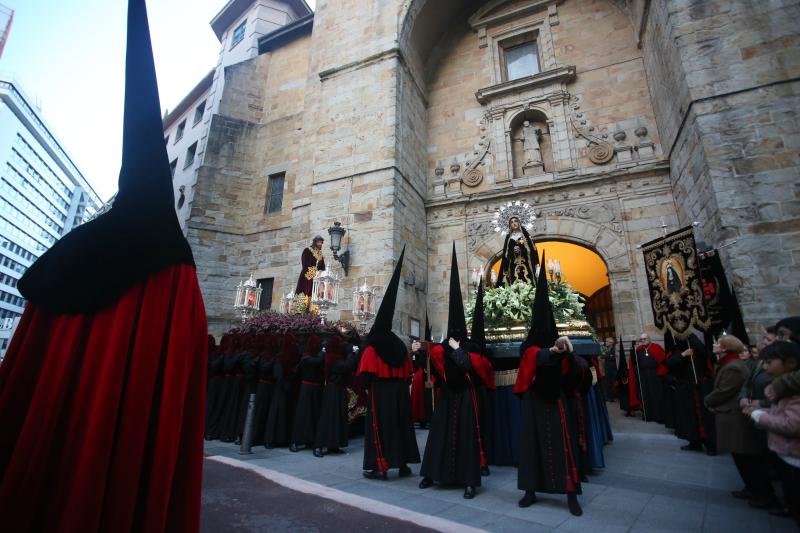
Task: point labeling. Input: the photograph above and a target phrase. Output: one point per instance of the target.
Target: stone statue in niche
(531, 148)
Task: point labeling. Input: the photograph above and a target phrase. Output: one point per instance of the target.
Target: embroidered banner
(676, 288)
(721, 304)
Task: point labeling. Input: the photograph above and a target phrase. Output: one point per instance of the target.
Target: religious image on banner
(676, 287)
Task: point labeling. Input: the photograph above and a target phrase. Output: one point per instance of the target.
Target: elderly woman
(734, 431)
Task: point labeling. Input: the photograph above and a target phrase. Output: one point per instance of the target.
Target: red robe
(371, 363)
(102, 413)
(657, 353)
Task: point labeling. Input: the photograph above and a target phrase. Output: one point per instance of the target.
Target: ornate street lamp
(363, 305)
(325, 292)
(337, 232)
(248, 297)
(286, 302)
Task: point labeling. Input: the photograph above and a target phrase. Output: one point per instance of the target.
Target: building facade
(413, 121)
(238, 26)
(43, 195)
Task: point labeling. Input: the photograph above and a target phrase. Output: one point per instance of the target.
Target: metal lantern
(325, 292)
(337, 232)
(364, 305)
(286, 302)
(248, 297)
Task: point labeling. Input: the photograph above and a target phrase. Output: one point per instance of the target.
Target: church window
(275, 193)
(520, 60)
(266, 293)
(172, 166)
(238, 34)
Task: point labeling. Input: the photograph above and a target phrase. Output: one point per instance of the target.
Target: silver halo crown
(521, 210)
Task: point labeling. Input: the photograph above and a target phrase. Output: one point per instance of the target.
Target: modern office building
(43, 195)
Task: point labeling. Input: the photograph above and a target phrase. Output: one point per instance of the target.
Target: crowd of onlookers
(742, 399)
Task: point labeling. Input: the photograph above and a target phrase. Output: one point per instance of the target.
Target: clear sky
(69, 55)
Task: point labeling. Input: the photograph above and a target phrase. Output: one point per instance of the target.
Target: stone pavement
(648, 485)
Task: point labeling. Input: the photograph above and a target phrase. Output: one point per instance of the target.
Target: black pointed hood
(478, 333)
(428, 331)
(543, 331)
(622, 366)
(381, 337)
(93, 264)
(456, 320)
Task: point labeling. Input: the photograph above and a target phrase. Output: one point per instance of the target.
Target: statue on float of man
(312, 261)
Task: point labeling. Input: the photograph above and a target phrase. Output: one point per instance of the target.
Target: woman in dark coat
(735, 433)
(309, 400)
(333, 427)
(280, 408)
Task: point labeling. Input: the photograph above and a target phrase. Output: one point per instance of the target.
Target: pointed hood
(428, 331)
(387, 345)
(456, 321)
(95, 263)
(478, 335)
(543, 331)
(622, 367)
(385, 314)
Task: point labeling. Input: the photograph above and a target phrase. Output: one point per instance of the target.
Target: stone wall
(723, 78)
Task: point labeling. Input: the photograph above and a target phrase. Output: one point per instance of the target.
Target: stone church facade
(404, 120)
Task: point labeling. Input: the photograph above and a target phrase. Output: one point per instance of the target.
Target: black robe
(548, 459)
(693, 421)
(229, 414)
(264, 392)
(333, 426)
(453, 450)
(279, 418)
(388, 411)
(213, 390)
(649, 386)
(309, 400)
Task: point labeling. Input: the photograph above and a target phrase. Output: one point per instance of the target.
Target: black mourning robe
(309, 400)
(213, 389)
(389, 438)
(279, 419)
(693, 421)
(454, 448)
(265, 389)
(548, 460)
(333, 427)
(648, 383)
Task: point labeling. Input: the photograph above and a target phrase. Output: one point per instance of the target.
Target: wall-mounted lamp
(337, 232)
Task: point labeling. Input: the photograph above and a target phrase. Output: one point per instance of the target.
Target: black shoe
(318, 452)
(485, 471)
(574, 506)
(293, 448)
(425, 483)
(237, 441)
(335, 450)
(269, 446)
(743, 494)
(375, 474)
(528, 500)
(469, 492)
(405, 471)
(423, 425)
(692, 447)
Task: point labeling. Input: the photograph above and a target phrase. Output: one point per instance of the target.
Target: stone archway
(606, 241)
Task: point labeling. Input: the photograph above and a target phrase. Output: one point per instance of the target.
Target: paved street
(649, 485)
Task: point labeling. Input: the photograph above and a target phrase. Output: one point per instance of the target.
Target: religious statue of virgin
(519, 257)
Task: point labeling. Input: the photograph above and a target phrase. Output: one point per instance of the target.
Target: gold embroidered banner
(676, 288)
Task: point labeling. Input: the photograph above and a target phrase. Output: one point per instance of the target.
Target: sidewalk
(648, 485)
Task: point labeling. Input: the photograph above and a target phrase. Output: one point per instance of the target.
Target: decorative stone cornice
(484, 17)
(562, 74)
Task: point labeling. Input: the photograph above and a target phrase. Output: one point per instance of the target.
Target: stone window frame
(271, 179)
(237, 35)
(535, 30)
(514, 42)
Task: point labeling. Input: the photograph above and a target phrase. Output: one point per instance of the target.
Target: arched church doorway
(586, 273)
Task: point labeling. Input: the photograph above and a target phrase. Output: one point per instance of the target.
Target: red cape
(102, 413)
(371, 363)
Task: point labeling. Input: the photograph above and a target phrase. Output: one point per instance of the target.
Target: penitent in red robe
(102, 413)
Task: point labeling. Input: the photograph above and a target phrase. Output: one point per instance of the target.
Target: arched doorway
(586, 273)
